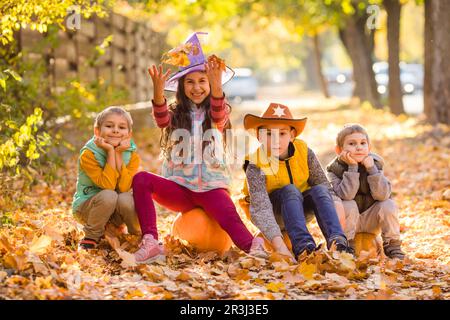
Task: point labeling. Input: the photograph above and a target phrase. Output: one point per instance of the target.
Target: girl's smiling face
(113, 129)
(196, 86)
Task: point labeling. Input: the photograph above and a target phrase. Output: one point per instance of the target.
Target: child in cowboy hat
(188, 182)
(283, 179)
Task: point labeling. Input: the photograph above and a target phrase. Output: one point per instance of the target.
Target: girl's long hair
(181, 119)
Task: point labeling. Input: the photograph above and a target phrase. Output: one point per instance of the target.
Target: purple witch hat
(193, 52)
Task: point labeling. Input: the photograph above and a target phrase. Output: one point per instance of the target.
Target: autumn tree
(23, 96)
(437, 64)
(393, 9)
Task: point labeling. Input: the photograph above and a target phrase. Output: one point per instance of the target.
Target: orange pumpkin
(201, 231)
(366, 242)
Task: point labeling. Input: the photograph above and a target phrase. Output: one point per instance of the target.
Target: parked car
(243, 85)
(337, 75)
(410, 77)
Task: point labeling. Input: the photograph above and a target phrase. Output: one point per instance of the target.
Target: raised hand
(214, 68)
(159, 79)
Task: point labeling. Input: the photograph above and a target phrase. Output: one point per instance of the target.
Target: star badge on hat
(278, 111)
(275, 114)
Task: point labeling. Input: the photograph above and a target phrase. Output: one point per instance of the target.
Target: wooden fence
(134, 47)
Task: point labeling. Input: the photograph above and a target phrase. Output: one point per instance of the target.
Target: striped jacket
(196, 169)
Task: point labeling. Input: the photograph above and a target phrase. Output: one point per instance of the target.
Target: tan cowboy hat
(275, 113)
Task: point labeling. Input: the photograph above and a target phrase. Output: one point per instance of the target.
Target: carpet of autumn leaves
(40, 260)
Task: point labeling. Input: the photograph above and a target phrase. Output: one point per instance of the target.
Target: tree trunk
(318, 63)
(393, 9)
(312, 80)
(437, 64)
(428, 56)
(357, 44)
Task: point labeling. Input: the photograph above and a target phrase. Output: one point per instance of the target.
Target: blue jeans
(291, 204)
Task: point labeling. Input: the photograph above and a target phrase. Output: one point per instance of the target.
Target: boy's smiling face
(114, 129)
(196, 86)
(276, 146)
(357, 144)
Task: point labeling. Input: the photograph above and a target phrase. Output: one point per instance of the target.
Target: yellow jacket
(279, 173)
(108, 177)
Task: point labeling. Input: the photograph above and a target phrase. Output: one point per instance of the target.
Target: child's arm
(104, 178)
(346, 188)
(316, 174)
(161, 113)
(127, 173)
(220, 110)
(124, 145)
(261, 212)
(380, 186)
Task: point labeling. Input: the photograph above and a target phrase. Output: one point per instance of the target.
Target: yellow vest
(279, 173)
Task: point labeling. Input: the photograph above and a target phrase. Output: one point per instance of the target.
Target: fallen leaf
(53, 233)
(5, 244)
(133, 294)
(128, 259)
(291, 278)
(336, 278)
(183, 276)
(307, 270)
(40, 245)
(247, 263)
(436, 292)
(276, 286)
(17, 261)
(113, 242)
(3, 275)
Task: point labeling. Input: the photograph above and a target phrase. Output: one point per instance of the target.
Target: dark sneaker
(342, 245)
(88, 244)
(351, 246)
(392, 249)
(309, 248)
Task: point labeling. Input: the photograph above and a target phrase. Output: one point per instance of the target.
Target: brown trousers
(108, 206)
(382, 217)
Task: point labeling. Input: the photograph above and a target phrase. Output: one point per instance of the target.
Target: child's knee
(388, 207)
(340, 211)
(125, 203)
(141, 179)
(107, 199)
(290, 191)
(350, 208)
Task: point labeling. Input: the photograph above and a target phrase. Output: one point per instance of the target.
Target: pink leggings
(216, 203)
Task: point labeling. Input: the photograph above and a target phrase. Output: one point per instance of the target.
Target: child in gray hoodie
(357, 178)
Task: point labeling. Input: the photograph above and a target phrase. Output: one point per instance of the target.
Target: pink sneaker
(149, 251)
(257, 248)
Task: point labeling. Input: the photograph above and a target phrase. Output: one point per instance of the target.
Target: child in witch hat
(186, 182)
(283, 179)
